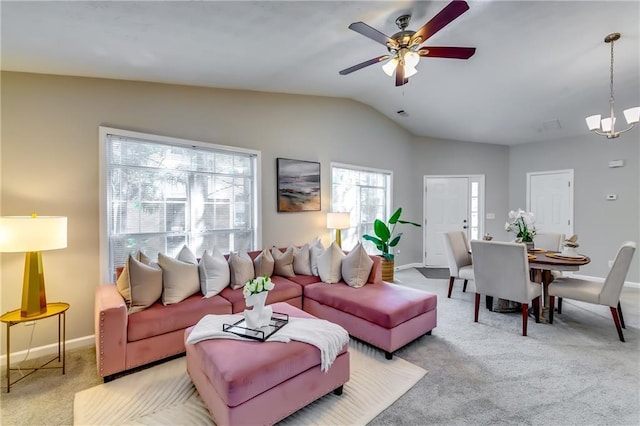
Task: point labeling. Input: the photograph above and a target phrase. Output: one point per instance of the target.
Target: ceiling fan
(404, 46)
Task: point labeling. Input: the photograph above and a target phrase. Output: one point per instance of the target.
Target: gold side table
(12, 318)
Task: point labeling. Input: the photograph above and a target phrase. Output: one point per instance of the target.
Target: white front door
(550, 199)
(446, 209)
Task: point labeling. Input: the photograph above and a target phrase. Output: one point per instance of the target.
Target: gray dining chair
(459, 259)
(605, 293)
(502, 270)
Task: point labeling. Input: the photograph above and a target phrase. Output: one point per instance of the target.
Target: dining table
(543, 262)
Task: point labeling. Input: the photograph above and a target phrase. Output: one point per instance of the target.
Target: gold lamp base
(34, 298)
(338, 238)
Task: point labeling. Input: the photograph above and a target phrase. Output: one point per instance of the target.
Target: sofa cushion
(356, 267)
(179, 279)
(304, 280)
(330, 264)
(241, 269)
(301, 262)
(263, 264)
(284, 290)
(140, 285)
(283, 262)
(214, 272)
(159, 319)
(315, 250)
(381, 303)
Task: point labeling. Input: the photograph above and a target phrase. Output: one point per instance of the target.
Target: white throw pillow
(264, 264)
(241, 269)
(283, 262)
(330, 264)
(186, 255)
(214, 273)
(315, 250)
(179, 279)
(356, 267)
(301, 260)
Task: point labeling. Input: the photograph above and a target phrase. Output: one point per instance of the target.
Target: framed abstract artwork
(298, 185)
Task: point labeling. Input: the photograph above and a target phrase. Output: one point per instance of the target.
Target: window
(366, 194)
(162, 193)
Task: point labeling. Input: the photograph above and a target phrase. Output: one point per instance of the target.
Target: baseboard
(629, 284)
(48, 349)
(408, 266)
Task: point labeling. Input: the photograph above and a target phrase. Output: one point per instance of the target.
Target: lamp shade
(632, 115)
(338, 220)
(32, 233)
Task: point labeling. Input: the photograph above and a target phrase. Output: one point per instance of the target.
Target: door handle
(464, 227)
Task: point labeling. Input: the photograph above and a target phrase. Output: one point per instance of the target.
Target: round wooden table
(546, 261)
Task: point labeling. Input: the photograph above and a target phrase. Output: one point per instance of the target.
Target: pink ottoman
(260, 383)
(386, 315)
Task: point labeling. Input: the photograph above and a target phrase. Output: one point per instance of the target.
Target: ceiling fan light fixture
(390, 66)
(411, 59)
(409, 71)
(606, 126)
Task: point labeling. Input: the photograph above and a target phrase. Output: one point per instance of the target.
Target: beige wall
(50, 164)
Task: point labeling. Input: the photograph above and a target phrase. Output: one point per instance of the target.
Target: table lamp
(338, 221)
(32, 234)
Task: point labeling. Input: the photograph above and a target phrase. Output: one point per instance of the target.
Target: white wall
(602, 226)
(50, 163)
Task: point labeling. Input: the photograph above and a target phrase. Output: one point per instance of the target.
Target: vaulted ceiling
(539, 69)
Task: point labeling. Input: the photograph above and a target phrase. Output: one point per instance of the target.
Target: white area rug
(164, 395)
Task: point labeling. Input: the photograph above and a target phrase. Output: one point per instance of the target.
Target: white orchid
(257, 285)
(522, 224)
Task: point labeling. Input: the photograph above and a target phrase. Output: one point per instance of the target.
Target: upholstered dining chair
(549, 241)
(605, 293)
(502, 270)
(459, 259)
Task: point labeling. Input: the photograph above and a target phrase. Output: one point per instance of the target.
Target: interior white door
(446, 209)
(550, 198)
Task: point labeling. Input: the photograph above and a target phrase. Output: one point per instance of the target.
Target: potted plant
(522, 226)
(385, 239)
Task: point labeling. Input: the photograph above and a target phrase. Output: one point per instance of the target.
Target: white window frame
(105, 132)
(388, 195)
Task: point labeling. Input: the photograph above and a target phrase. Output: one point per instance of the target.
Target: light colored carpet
(164, 395)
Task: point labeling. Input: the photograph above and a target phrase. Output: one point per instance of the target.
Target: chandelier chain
(611, 73)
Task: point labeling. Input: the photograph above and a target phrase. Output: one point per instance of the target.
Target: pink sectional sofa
(385, 315)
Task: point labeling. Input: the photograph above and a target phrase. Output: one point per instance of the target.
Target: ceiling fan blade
(363, 64)
(446, 15)
(372, 33)
(400, 80)
(447, 52)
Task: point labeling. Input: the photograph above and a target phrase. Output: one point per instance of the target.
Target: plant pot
(529, 245)
(387, 270)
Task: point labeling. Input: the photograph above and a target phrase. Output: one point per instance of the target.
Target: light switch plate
(491, 215)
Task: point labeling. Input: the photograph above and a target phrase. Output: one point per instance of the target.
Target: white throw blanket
(330, 338)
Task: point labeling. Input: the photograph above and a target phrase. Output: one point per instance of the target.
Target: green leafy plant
(385, 237)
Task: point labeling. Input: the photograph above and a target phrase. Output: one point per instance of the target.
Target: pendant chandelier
(606, 126)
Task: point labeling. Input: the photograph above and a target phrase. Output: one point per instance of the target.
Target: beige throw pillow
(315, 250)
(263, 264)
(330, 264)
(301, 260)
(139, 284)
(241, 269)
(214, 273)
(356, 267)
(283, 262)
(179, 279)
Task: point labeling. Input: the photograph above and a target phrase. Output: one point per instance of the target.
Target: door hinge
(568, 221)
